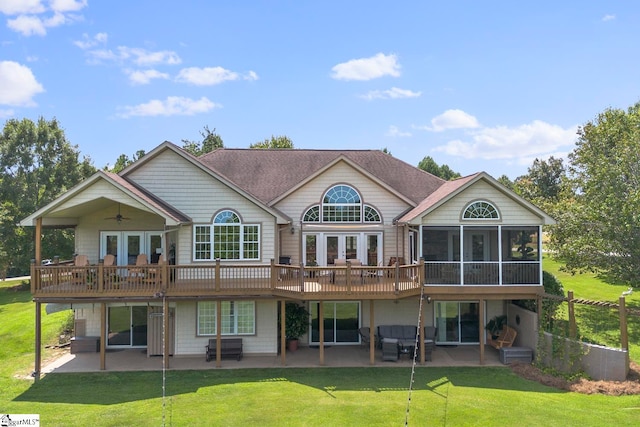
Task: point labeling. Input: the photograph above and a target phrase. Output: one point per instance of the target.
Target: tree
(504, 180)
(210, 141)
(445, 172)
(37, 164)
(544, 182)
(274, 142)
(599, 221)
(123, 161)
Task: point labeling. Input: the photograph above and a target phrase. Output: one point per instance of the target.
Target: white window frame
(206, 318)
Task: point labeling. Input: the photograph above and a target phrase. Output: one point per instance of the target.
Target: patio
(304, 357)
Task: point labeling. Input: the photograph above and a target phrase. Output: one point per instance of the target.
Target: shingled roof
(269, 173)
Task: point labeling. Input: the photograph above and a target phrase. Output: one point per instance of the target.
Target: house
(358, 237)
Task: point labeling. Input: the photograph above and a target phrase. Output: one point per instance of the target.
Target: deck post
(103, 336)
(217, 280)
(38, 238)
(218, 326)
(274, 274)
(283, 333)
(38, 343)
(321, 324)
(624, 334)
(481, 332)
(101, 275)
(372, 335)
(421, 336)
(572, 316)
(165, 333)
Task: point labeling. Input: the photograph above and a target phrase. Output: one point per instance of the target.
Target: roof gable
(272, 173)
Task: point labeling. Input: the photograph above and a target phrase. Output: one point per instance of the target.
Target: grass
(282, 397)
(599, 325)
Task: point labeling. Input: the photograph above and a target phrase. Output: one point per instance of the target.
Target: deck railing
(482, 273)
(221, 279)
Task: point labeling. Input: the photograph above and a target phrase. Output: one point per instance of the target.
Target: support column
(283, 333)
(103, 336)
(372, 335)
(38, 343)
(38, 243)
(218, 332)
(421, 337)
(321, 322)
(572, 316)
(166, 333)
(481, 333)
(624, 333)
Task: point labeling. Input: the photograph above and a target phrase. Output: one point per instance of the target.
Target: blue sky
(479, 86)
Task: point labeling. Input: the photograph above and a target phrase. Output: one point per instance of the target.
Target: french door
(127, 245)
(340, 320)
(325, 248)
(457, 322)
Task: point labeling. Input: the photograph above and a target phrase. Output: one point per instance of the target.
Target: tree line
(595, 196)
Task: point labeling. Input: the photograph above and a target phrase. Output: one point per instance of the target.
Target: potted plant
(495, 325)
(296, 323)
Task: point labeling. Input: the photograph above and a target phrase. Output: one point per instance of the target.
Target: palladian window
(342, 203)
(227, 238)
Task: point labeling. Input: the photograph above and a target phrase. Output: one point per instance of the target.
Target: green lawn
(283, 397)
(596, 324)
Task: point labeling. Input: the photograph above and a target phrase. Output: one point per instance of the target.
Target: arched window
(371, 214)
(226, 238)
(341, 204)
(481, 210)
(312, 214)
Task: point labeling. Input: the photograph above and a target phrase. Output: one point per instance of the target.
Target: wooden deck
(65, 282)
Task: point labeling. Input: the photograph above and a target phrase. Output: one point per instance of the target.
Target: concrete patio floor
(304, 357)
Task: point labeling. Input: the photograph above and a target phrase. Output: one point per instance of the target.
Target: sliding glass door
(457, 322)
(341, 322)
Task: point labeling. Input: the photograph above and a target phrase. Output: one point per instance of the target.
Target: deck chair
(505, 339)
(110, 276)
(79, 275)
(137, 273)
(373, 272)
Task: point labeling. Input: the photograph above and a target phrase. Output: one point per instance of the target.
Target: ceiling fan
(119, 218)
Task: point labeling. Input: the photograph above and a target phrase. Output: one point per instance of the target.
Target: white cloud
(5, 114)
(606, 18)
(395, 132)
(133, 55)
(251, 75)
(451, 119)
(205, 76)
(143, 77)
(89, 42)
(18, 85)
(537, 139)
(27, 25)
(32, 16)
(68, 5)
(172, 106)
(393, 93)
(17, 7)
(143, 57)
(377, 66)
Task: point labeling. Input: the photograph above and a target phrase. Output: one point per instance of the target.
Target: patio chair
(373, 273)
(79, 275)
(505, 339)
(365, 337)
(137, 273)
(429, 340)
(341, 273)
